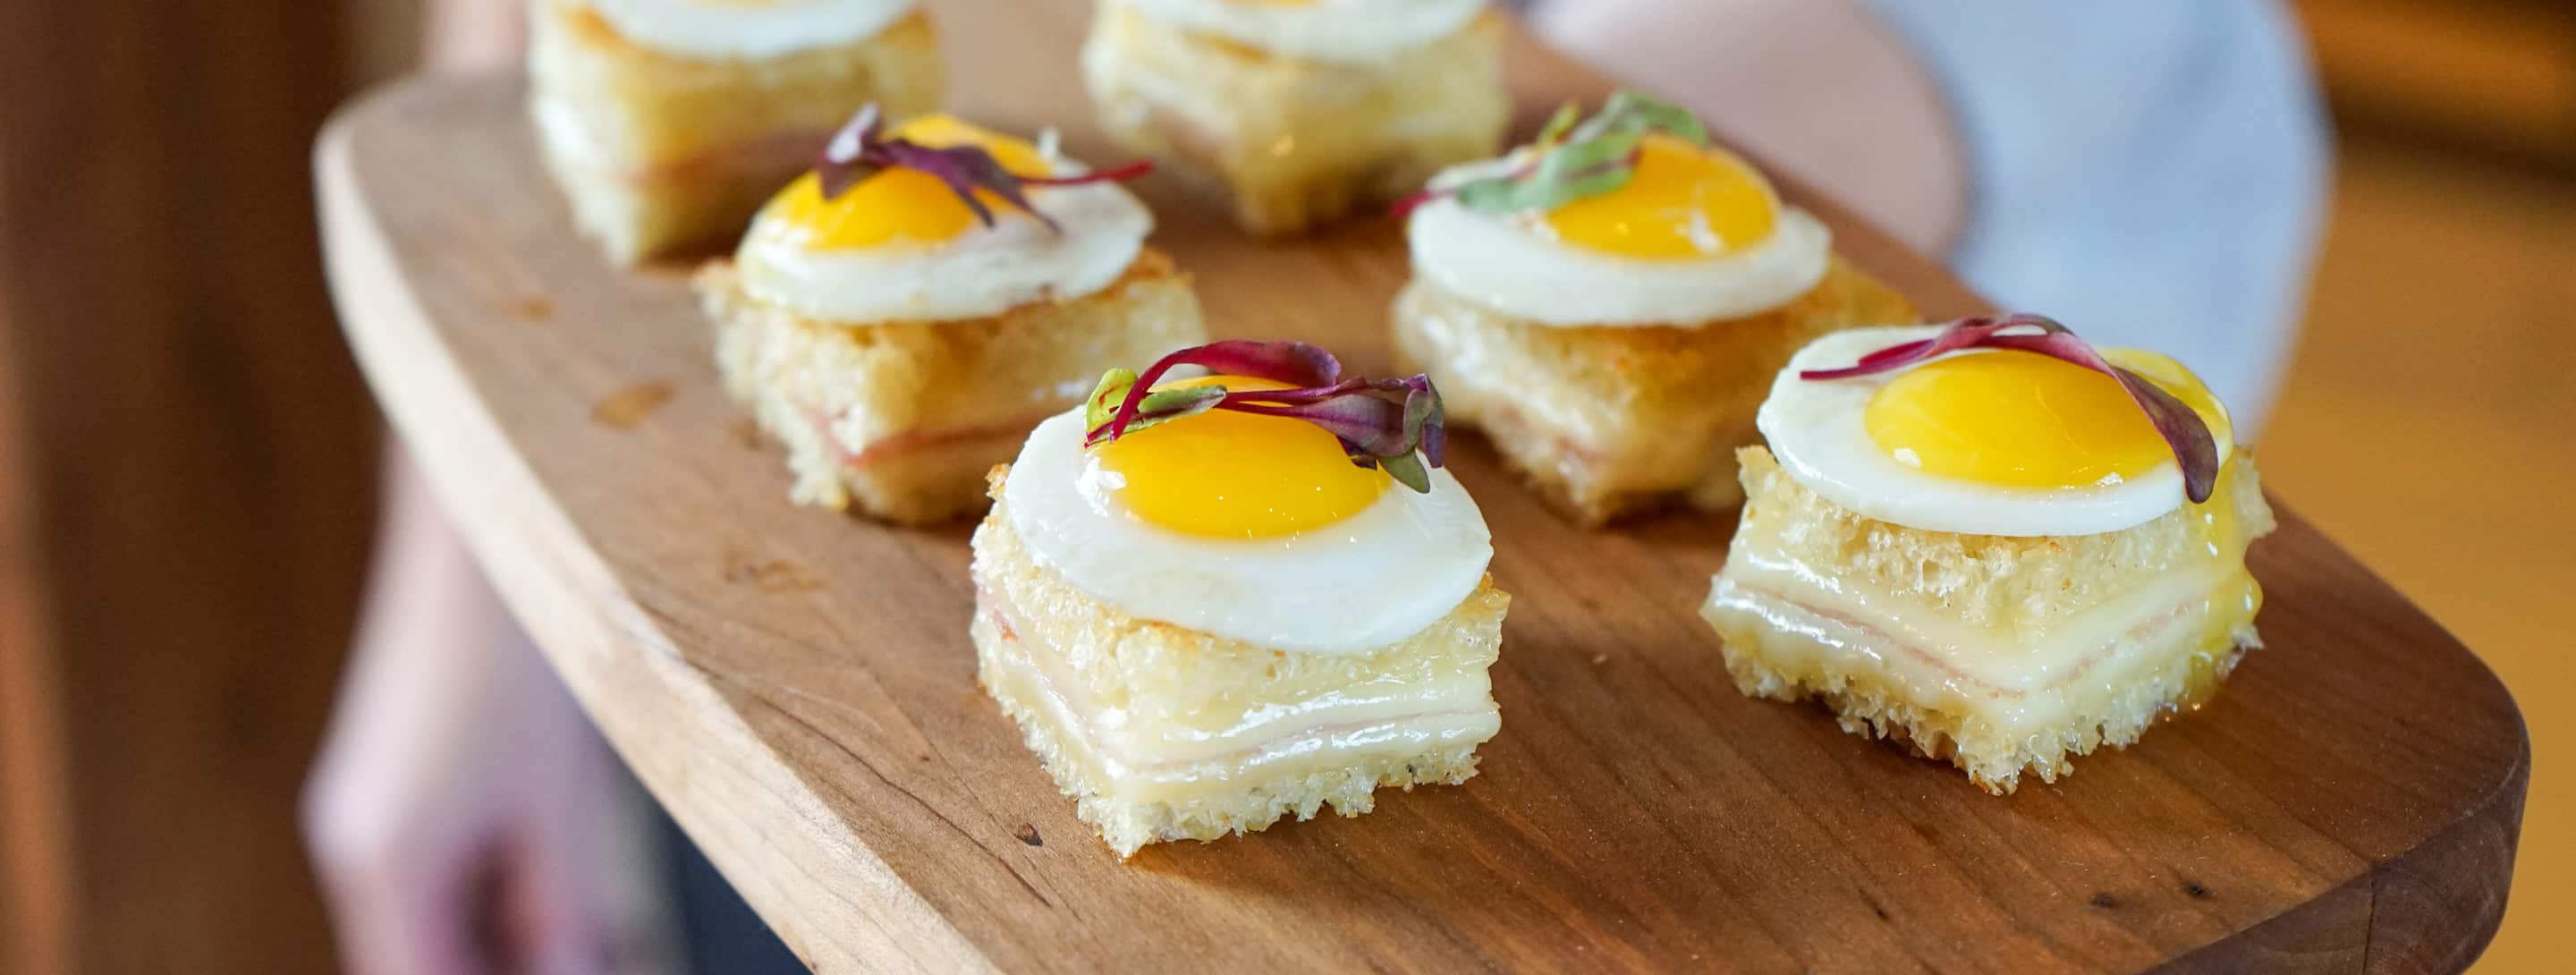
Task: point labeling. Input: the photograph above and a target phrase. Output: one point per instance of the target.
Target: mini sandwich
(1215, 602)
(1300, 110)
(668, 121)
(1990, 543)
(902, 316)
(1608, 304)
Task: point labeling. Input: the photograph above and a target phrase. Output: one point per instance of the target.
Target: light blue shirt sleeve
(2150, 173)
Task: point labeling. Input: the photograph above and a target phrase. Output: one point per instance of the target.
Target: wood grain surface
(189, 484)
(798, 688)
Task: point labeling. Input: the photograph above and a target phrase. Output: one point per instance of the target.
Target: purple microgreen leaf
(1115, 174)
(1295, 363)
(1373, 426)
(954, 168)
(861, 150)
(1424, 423)
(1391, 423)
(836, 180)
(844, 163)
(1287, 362)
(985, 172)
(855, 136)
(1962, 334)
(2194, 447)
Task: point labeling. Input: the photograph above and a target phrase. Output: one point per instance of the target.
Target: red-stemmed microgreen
(1393, 424)
(1572, 159)
(862, 149)
(2195, 450)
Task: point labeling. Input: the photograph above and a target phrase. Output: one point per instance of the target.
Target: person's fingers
(550, 920)
(555, 902)
(398, 910)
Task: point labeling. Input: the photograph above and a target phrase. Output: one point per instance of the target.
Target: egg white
(1817, 430)
(716, 29)
(983, 271)
(1506, 263)
(1330, 30)
(1350, 588)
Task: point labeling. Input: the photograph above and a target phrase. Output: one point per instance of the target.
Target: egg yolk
(1683, 202)
(2021, 419)
(903, 204)
(1223, 474)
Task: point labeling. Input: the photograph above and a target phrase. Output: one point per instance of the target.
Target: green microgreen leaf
(1573, 161)
(1105, 397)
(1560, 123)
(1407, 470)
(1630, 111)
(861, 150)
(1165, 405)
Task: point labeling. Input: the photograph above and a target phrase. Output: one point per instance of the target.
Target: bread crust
(1160, 672)
(1607, 421)
(661, 153)
(2016, 593)
(1292, 143)
(901, 420)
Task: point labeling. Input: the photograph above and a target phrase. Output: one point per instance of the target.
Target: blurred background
(187, 477)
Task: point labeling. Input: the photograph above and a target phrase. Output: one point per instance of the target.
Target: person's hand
(465, 818)
(461, 814)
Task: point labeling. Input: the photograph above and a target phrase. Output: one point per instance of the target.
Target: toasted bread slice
(903, 419)
(660, 153)
(1295, 143)
(1607, 420)
(2002, 655)
(1287, 744)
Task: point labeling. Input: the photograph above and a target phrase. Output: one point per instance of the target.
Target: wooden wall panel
(195, 476)
(35, 872)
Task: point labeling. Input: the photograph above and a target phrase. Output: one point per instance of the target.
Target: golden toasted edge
(705, 140)
(1277, 98)
(935, 483)
(1993, 763)
(2182, 679)
(1129, 826)
(1701, 385)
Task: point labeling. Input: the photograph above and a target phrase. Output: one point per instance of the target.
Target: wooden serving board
(799, 690)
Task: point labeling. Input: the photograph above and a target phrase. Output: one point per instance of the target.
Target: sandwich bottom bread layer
(1606, 421)
(901, 420)
(2001, 655)
(1163, 733)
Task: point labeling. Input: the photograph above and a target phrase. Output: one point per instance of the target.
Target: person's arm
(447, 814)
(462, 806)
(1821, 88)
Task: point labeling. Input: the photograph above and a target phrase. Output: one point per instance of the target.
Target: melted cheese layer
(1172, 761)
(735, 29)
(2080, 673)
(1323, 30)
